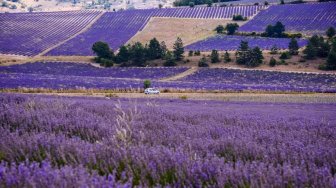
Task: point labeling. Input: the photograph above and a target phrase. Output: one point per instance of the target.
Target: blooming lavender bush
(31, 33)
(71, 142)
(309, 18)
(226, 42)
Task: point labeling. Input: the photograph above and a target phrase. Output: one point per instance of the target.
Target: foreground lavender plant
(172, 143)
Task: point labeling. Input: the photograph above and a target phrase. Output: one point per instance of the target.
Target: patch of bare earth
(168, 29)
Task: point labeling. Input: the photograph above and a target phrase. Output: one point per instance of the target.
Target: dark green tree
(242, 53)
(163, 49)
(203, 62)
(279, 29)
(178, 49)
(331, 60)
(310, 51)
(138, 54)
(331, 32)
(191, 4)
(123, 55)
(323, 50)
(102, 50)
(227, 57)
(269, 31)
(214, 56)
(272, 62)
(293, 47)
(169, 60)
(209, 3)
(255, 57)
(231, 28)
(154, 49)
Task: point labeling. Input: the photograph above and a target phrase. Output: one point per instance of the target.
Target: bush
(266, 3)
(214, 56)
(203, 62)
(191, 4)
(197, 53)
(282, 62)
(285, 55)
(170, 60)
(231, 28)
(191, 53)
(293, 47)
(239, 18)
(227, 58)
(331, 32)
(274, 50)
(147, 84)
(220, 29)
(272, 62)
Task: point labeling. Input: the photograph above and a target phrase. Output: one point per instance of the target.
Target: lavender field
(79, 76)
(93, 142)
(309, 18)
(31, 33)
(116, 28)
(226, 42)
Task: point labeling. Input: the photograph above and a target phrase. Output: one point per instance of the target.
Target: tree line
(138, 54)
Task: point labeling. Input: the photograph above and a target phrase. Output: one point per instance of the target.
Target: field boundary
(181, 75)
(88, 26)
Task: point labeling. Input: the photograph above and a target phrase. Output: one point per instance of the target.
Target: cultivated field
(102, 142)
(168, 29)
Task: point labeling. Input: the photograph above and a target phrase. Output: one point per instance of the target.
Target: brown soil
(189, 30)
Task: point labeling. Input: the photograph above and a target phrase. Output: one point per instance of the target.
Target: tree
(227, 57)
(279, 28)
(272, 62)
(178, 49)
(123, 55)
(209, 3)
(170, 61)
(282, 2)
(203, 62)
(266, 3)
(238, 18)
(214, 56)
(191, 53)
(231, 28)
(191, 4)
(331, 61)
(154, 49)
(293, 47)
(310, 51)
(102, 50)
(160, 5)
(243, 46)
(138, 54)
(220, 29)
(255, 57)
(331, 32)
(163, 48)
(147, 84)
(323, 49)
(242, 53)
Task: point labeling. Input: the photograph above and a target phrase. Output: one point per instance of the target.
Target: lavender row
(31, 33)
(309, 18)
(225, 42)
(87, 70)
(165, 143)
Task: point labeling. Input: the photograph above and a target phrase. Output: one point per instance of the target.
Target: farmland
(246, 144)
(168, 29)
(72, 76)
(314, 18)
(246, 97)
(232, 43)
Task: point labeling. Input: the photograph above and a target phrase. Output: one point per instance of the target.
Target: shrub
(191, 53)
(197, 53)
(220, 29)
(147, 84)
(231, 28)
(331, 32)
(191, 4)
(203, 62)
(214, 56)
(285, 55)
(272, 62)
(184, 97)
(274, 50)
(293, 47)
(239, 18)
(227, 57)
